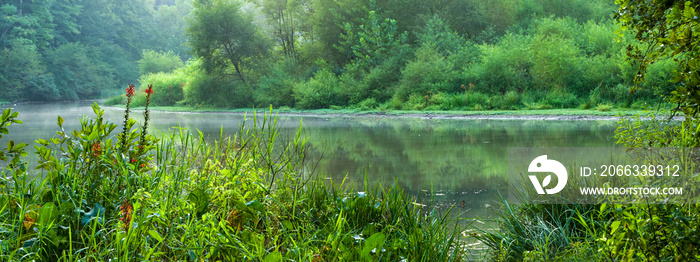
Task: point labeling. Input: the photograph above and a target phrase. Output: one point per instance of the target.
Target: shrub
(321, 91)
(367, 104)
(658, 78)
(276, 88)
(115, 100)
(563, 28)
(510, 101)
(599, 38)
(604, 107)
(430, 71)
(556, 62)
(168, 85)
(560, 99)
(504, 66)
(217, 91)
(474, 99)
(152, 62)
(596, 72)
(415, 102)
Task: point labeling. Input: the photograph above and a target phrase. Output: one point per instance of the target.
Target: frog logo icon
(542, 164)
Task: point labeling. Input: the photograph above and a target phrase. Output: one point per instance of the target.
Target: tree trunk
(238, 71)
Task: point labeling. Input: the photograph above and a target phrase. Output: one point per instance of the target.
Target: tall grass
(247, 197)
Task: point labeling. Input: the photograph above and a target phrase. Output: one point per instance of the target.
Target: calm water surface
(463, 160)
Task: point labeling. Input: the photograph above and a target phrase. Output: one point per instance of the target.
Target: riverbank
(182, 198)
(545, 114)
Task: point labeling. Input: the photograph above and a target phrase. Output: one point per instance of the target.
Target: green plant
(603, 107)
(429, 72)
(321, 91)
(170, 86)
(181, 197)
(153, 62)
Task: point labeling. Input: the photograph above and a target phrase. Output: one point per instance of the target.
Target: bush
(430, 71)
(115, 100)
(152, 62)
(503, 67)
(168, 85)
(476, 100)
(600, 39)
(658, 78)
(321, 91)
(415, 102)
(560, 99)
(604, 107)
(276, 88)
(556, 63)
(217, 91)
(367, 104)
(596, 72)
(510, 101)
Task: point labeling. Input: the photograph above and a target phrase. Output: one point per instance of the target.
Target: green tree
(223, 36)
(285, 19)
(154, 62)
(667, 29)
(171, 23)
(26, 20)
(76, 71)
(23, 76)
(372, 40)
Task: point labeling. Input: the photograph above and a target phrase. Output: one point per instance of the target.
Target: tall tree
(171, 24)
(284, 18)
(223, 36)
(28, 20)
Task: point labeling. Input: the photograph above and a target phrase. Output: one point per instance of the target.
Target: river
(464, 161)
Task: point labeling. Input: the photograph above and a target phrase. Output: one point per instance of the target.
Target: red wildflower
(133, 160)
(149, 90)
(125, 211)
(130, 91)
(96, 149)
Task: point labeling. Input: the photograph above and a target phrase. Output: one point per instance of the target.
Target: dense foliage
(668, 29)
(81, 49)
(372, 55)
(364, 54)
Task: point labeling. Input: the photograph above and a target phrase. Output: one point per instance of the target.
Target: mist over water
(460, 160)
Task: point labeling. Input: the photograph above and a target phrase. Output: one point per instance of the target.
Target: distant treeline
(366, 54)
(80, 49)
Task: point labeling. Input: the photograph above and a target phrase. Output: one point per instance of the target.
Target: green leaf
(273, 257)
(614, 226)
(60, 121)
(375, 241)
(200, 200)
(256, 205)
(47, 214)
(94, 135)
(5, 114)
(154, 234)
